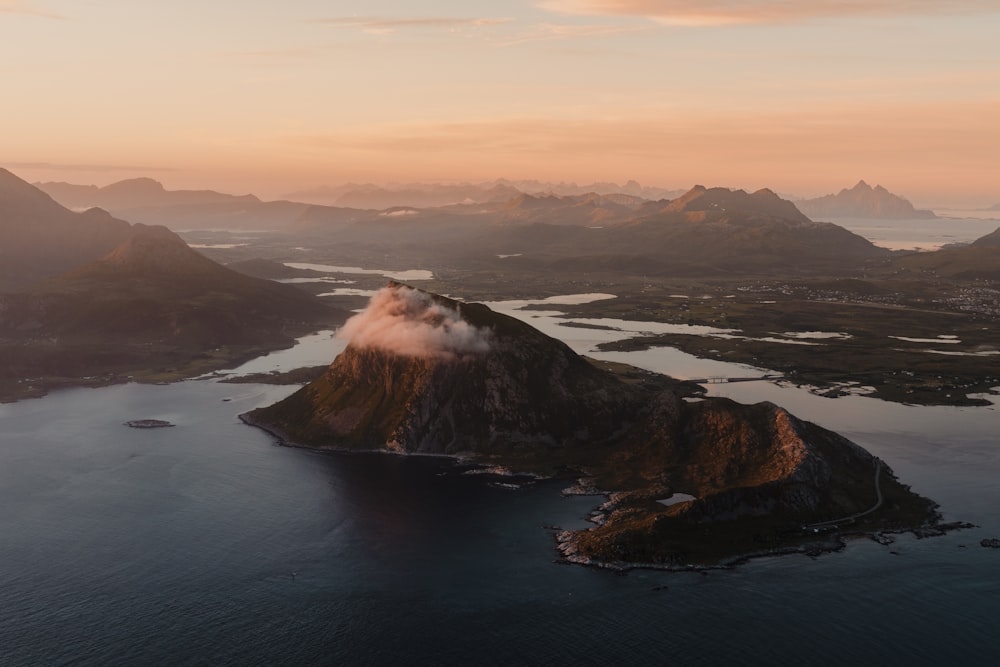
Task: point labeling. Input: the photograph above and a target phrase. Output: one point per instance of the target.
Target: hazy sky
(803, 97)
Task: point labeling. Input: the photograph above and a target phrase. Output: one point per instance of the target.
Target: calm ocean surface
(206, 544)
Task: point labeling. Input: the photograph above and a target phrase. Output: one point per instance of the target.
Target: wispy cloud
(100, 168)
(542, 32)
(272, 58)
(512, 35)
(386, 25)
(26, 9)
(728, 12)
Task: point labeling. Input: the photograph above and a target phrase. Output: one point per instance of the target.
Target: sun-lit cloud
(728, 12)
(26, 9)
(386, 25)
(542, 32)
(410, 323)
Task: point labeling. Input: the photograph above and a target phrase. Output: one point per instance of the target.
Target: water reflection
(402, 274)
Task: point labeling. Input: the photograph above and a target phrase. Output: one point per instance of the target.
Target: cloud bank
(407, 322)
(727, 12)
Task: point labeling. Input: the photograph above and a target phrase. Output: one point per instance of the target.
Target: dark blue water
(205, 544)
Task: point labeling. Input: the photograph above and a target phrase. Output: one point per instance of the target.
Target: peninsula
(424, 374)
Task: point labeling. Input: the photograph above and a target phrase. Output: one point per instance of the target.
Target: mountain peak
(39, 238)
(136, 186)
(153, 249)
(423, 373)
(17, 195)
(721, 200)
(862, 201)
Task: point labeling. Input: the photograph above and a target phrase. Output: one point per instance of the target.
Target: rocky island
(423, 374)
(148, 423)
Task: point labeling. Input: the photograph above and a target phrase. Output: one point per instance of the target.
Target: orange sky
(804, 98)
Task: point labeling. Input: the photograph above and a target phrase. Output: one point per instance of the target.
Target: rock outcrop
(429, 375)
(509, 386)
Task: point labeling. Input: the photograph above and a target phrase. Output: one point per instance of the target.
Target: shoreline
(566, 546)
(282, 440)
(566, 540)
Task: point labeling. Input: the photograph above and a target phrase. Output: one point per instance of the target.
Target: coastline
(13, 389)
(566, 541)
(282, 440)
(566, 545)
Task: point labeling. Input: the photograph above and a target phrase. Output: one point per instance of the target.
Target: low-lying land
(895, 332)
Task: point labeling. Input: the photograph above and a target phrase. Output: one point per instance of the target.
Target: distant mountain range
(862, 201)
(424, 195)
(85, 294)
(147, 201)
(704, 232)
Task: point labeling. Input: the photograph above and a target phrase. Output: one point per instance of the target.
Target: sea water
(207, 544)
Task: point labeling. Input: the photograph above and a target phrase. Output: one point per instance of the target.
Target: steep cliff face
(750, 459)
(519, 389)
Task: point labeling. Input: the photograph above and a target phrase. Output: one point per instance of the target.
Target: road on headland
(848, 519)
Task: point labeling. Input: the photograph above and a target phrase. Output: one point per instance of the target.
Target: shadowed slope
(40, 238)
(154, 287)
(520, 388)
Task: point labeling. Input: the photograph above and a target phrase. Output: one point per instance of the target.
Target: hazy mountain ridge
(991, 239)
(432, 195)
(862, 201)
(146, 200)
(138, 299)
(38, 237)
(705, 231)
(153, 287)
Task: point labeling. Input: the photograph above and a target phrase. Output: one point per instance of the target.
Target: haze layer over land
(276, 98)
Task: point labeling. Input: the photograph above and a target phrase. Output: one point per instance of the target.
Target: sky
(269, 97)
